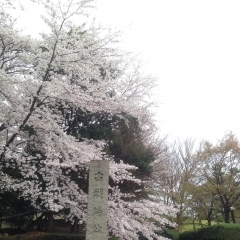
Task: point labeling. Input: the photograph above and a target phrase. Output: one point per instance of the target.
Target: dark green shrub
(53, 236)
(215, 232)
(49, 236)
(67, 237)
(172, 234)
(188, 235)
(220, 232)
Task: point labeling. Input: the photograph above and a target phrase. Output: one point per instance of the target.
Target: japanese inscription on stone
(97, 200)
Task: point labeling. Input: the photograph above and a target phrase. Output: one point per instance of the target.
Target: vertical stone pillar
(97, 200)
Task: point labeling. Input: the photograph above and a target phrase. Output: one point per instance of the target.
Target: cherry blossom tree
(72, 67)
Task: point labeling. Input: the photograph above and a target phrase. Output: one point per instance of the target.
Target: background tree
(221, 173)
(173, 176)
(203, 203)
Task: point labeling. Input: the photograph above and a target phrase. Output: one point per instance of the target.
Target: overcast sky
(193, 48)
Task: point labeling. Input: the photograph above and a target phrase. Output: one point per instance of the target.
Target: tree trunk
(75, 226)
(179, 220)
(233, 216)
(209, 216)
(209, 221)
(226, 215)
(39, 222)
(200, 222)
(194, 226)
(50, 222)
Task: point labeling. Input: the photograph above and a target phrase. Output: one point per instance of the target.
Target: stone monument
(97, 200)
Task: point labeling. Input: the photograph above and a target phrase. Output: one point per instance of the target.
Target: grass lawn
(188, 226)
(5, 225)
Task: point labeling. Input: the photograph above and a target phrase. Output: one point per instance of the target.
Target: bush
(220, 232)
(173, 234)
(215, 232)
(188, 235)
(48, 236)
(54, 236)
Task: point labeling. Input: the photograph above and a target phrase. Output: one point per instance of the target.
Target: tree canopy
(203, 182)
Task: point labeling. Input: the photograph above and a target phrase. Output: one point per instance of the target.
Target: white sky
(193, 48)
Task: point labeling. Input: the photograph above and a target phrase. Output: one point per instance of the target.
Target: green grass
(5, 225)
(188, 226)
